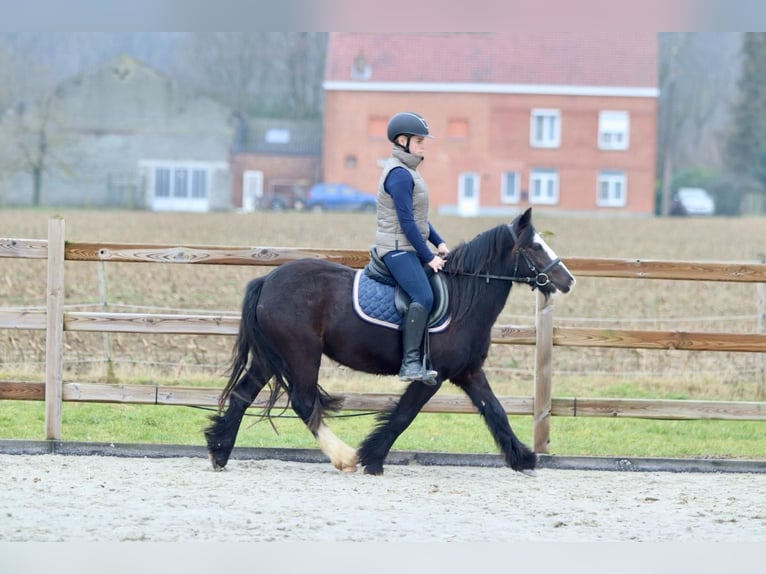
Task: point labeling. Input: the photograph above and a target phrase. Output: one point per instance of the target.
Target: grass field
(666, 305)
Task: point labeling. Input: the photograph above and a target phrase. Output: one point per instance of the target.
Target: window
(180, 182)
(361, 69)
(162, 182)
(544, 186)
(457, 128)
(545, 128)
(185, 185)
(376, 127)
(509, 190)
(612, 189)
(186, 182)
(468, 183)
(613, 130)
(277, 136)
(199, 183)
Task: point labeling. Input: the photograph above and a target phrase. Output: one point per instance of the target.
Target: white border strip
(360, 311)
(362, 315)
(461, 87)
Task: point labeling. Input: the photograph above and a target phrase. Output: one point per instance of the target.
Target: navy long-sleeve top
(399, 186)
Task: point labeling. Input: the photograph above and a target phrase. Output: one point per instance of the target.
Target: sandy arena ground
(102, 498)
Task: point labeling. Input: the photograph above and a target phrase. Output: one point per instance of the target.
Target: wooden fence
(543, 335)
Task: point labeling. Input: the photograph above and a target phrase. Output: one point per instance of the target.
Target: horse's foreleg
(517, 455)
(391, 424)
(222, 433)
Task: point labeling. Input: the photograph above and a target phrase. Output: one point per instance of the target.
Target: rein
(539, 279)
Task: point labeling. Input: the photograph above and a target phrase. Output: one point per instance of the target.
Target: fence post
(54, 339)
(761, 360)
(541, 429)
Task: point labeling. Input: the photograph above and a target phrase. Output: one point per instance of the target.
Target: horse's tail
(253, 347)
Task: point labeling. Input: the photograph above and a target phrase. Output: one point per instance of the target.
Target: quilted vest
(389, 235)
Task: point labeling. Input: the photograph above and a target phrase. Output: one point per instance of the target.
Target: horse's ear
(525, 218)
(521, 221)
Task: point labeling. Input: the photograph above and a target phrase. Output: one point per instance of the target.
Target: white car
(692, 201)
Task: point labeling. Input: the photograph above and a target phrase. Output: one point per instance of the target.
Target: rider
(402, 232)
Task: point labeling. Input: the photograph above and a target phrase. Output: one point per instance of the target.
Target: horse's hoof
(531, 472)
(216, 466)
(347, 463)
(346, 466)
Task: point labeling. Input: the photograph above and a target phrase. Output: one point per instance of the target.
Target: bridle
(538, 278)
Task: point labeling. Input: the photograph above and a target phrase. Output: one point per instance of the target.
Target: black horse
(303, 309)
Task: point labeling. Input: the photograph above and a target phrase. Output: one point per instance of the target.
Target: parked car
(338, 197)
(283, 197)
(692, 201)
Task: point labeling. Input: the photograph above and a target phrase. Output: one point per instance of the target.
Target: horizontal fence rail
(177, 324)
(149, 394)
(543, 335)
(274, 256)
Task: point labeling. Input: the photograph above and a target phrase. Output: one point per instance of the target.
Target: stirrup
(424, 374)
(429, 375)
(429, 378)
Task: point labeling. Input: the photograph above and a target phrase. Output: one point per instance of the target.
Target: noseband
(538, 279)
(541, 278)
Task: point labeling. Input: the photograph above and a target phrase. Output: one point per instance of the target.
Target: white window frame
(510, 187)
(186, 182)
(545, 128)
(615, 184)
(164, 178)
(613, 130)
(544, 186)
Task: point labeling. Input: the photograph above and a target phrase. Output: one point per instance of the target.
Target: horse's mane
(483, 254)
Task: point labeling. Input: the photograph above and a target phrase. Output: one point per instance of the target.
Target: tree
(29, 134)
(29, 129)
(697, 76)
(746, 146)
(276, 74)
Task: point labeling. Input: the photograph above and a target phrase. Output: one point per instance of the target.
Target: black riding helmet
(409, 124)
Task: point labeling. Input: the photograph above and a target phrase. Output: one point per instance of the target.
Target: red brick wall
(299, 170)
(498, 141)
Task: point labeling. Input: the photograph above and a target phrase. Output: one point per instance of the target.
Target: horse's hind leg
(517, 455)
(391, 424)
(311, 403)
(342, 456)
(222, 433)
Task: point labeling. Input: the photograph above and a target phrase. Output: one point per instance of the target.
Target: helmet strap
(405, 147)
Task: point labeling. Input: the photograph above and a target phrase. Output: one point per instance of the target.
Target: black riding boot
(413, 328)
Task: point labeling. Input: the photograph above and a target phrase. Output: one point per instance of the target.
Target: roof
(279, 137)
(490, 61)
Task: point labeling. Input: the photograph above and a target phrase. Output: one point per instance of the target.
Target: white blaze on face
(538, 239)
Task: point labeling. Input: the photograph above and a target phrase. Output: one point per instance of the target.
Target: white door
(468, 194)
(252, 190)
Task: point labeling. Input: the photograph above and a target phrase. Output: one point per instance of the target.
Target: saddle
(380, 300)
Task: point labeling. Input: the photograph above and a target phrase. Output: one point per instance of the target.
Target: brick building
(561, 121)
